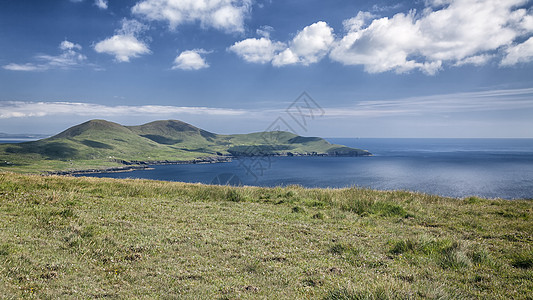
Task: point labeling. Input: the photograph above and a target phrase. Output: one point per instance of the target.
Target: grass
(523, 260)
(65, 237)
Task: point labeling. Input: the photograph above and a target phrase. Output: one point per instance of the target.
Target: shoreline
(135, 165)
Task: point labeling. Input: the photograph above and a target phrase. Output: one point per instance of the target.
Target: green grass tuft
(473, 200)
(378, 293)
(234, 196)
(523, 260)
(401, 247)
(319, 216)
(343, 248)
(297, 209)
(387, 209)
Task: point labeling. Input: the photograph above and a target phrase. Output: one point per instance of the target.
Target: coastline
(135, 165)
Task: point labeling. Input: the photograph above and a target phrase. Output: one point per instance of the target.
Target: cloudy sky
(433, 68)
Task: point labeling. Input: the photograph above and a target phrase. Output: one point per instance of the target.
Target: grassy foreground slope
(63, 237)
(102, 144)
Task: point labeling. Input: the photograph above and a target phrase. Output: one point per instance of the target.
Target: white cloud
(379, 8)
(190, 60)
(446, 31)
(66, 46)
(485, 101)
(125, 44)
(476, 60)
(19, 109)
(466, 28)
(260, 50)
(307, 47)
(123, 47)
(286, 57)
(102, 4)
(520, 53)
(357, 22)
(312, 43)
(226, 15)
(265, 31)
(384, 45)
(68, 58)
(24, 67)
(490, 101)
(527, 23)
(131, 27)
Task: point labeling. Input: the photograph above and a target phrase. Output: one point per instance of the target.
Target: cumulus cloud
(476, 60)
(527, 23)
(453, 32)
(20, 109)
(101, 4)
(66, 46)
(260, 50)
(123, 47)
(519, 53)
(357, 22)
(310, 44)
(444, 33)
(225, 15)
(286, 57)
(69, 57)
(307, 47)
(190, 60)
(384, 45)
(125, 44)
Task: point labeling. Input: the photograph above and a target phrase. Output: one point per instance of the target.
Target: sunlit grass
(64, 237)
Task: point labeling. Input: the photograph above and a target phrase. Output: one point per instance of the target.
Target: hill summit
(90, 126)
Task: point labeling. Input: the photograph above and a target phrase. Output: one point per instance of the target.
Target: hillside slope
(102, 144)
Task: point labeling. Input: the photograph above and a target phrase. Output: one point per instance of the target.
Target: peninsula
(99, 145)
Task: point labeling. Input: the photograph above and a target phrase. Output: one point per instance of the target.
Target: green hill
(98, 144)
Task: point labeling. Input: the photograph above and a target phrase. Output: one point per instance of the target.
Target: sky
(337, 68)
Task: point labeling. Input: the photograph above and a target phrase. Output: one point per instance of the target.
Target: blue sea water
(493, 168)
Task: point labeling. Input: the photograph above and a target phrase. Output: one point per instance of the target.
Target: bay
(492, 168)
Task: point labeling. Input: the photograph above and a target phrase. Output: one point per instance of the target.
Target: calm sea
(493, 168)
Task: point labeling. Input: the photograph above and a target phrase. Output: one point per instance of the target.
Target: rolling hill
(98, 144)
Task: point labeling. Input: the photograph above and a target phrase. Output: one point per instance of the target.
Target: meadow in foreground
(64, 237)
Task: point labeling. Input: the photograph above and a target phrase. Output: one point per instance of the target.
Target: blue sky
(434, 68)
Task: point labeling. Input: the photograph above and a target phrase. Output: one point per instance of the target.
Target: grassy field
(64, 237)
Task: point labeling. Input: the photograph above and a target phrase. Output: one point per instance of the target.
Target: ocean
(492, 168)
